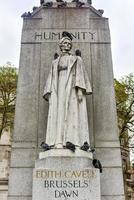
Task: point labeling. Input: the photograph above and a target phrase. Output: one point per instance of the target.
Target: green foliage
(8, 84)
(124, 90)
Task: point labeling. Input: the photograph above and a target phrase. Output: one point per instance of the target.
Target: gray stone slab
(24, 144)
(20, 182)
(107, 143)
(62, 188)
(19, 198)
(105, 119)
(62, 182)
(35, 23)
(109, 157)
(53, 35)
(45, 20)
(53, 19)
(26, 120)
(112, 182)
(120, 197)
(66, 153)
(99, 24)
(74, 19)
(23, 158)
(63, 163)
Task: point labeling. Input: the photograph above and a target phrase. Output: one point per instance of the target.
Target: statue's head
(66, 42)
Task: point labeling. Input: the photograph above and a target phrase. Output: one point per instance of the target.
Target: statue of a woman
(66, 89)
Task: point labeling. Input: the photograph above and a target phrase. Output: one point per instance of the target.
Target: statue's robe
(67, 117)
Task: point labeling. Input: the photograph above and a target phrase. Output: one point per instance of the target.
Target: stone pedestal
(63, 175)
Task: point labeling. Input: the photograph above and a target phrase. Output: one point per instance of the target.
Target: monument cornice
(70, 5)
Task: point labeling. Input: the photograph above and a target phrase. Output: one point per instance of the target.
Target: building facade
(5, 149)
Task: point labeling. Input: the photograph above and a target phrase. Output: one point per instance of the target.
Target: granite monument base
(64, 175)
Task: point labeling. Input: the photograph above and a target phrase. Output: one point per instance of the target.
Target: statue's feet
(59, 146)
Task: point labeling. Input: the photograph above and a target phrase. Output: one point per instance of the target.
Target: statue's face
(66, 45)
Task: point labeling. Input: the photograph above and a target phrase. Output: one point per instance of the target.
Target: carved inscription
(54, 36)
(64, 174)
(67, 184)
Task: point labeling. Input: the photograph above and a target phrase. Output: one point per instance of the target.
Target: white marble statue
(66, 89)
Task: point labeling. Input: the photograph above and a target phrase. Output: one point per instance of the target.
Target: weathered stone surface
(53, 35)
(120, 197)
(109, 157)
(66, 153)
(26, 116)
(24, 144)
(112, 182)
(3, 195)
(105, 121)
(74, 19)
(19, 198)
(79, 182)
(28, 156)
(81, 188)
(20, 183)
(100, 24)
(63, 160)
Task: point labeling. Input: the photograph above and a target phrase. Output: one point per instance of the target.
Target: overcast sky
(119, 12)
